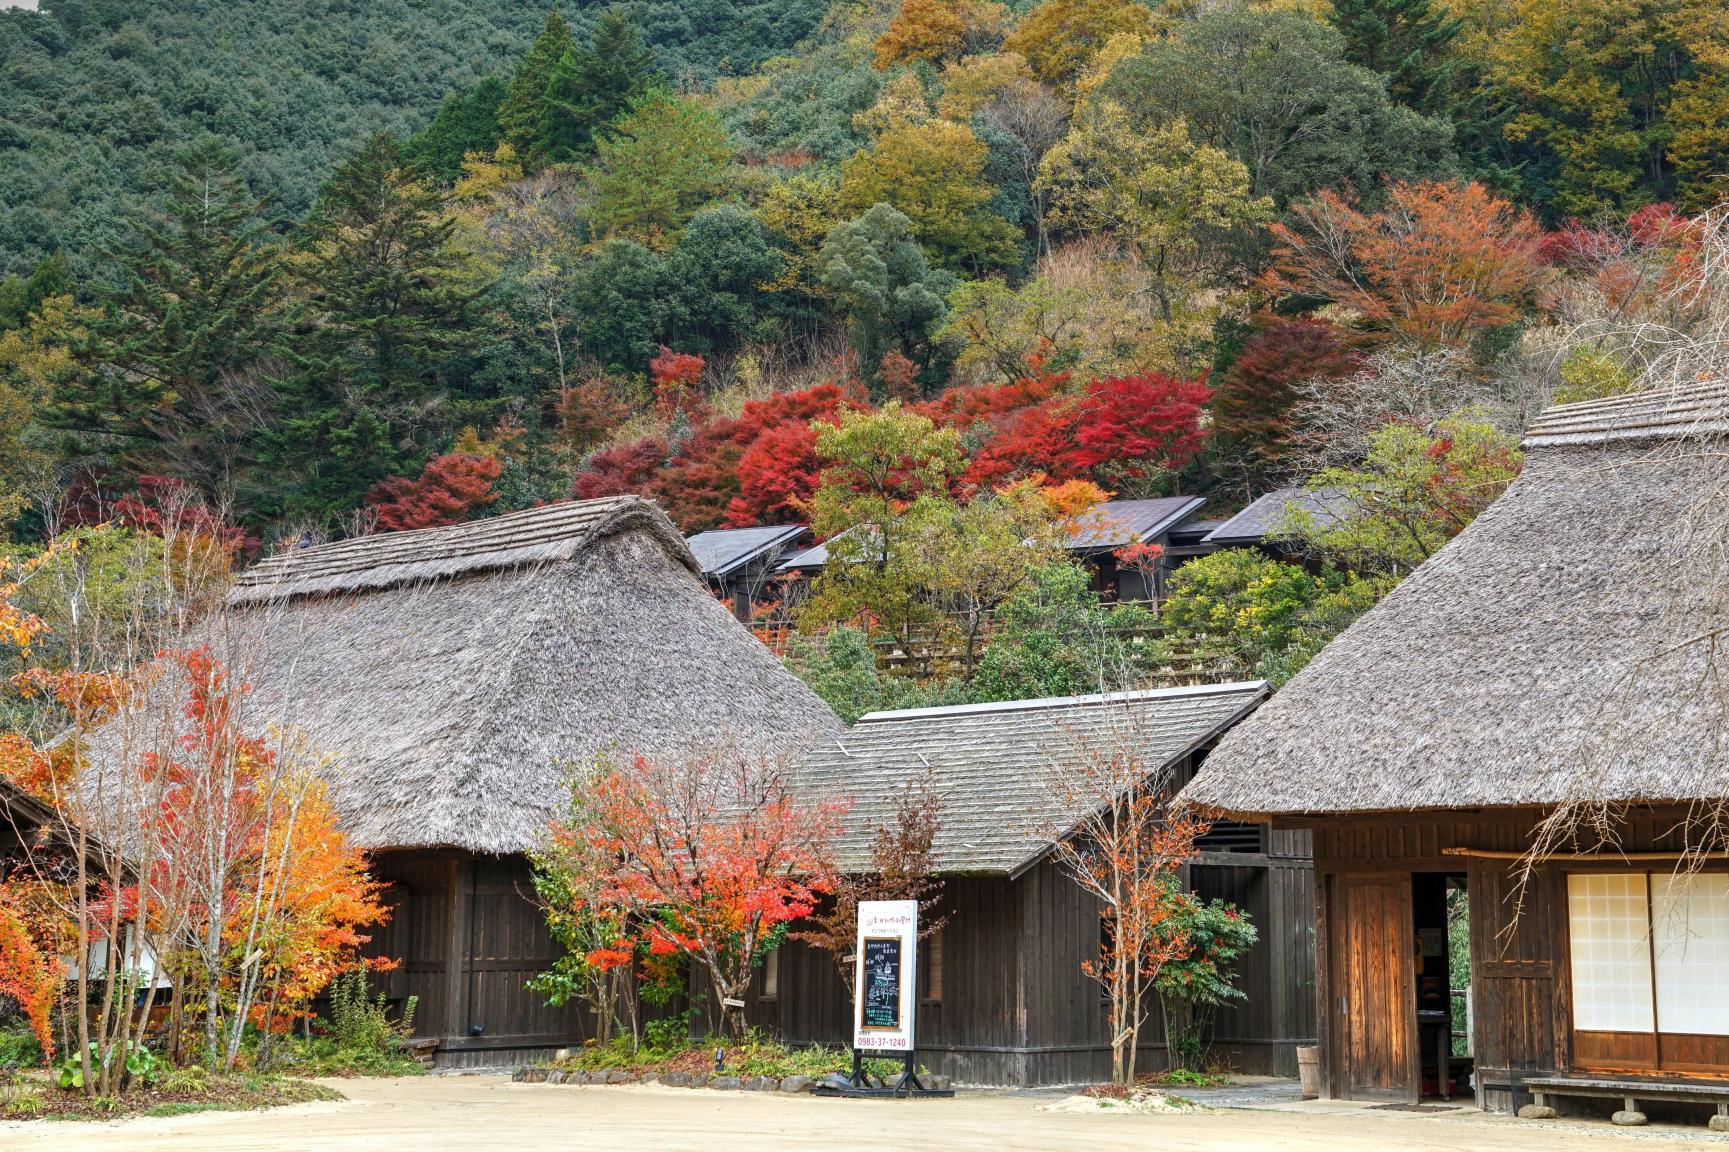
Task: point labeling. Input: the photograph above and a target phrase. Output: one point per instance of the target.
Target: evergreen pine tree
(177, 350)
(20, 295)
(592, 87)
(466, 122)
(1407, 41)
(519, 116)
(389, 314)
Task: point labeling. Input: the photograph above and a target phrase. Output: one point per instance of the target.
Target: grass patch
(180, 1092)
(323, 1056)
(755, 1056)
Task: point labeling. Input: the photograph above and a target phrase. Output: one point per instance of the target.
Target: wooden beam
(1550, 858)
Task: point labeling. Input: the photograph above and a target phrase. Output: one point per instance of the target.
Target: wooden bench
(1630, 1091)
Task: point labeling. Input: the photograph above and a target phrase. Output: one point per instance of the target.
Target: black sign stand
(859, 1085)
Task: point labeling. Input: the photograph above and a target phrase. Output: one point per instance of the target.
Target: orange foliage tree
(706, 856)
(1437, 267)
(1120, 843)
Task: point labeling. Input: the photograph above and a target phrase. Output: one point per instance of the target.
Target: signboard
(884, 979)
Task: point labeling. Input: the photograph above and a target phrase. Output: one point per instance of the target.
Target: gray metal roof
(993, 765)
(1117, 523)
(1260, 519)
(721, 551)
(1113, 524)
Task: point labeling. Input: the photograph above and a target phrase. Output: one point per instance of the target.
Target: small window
(932, 968)
(771, 974)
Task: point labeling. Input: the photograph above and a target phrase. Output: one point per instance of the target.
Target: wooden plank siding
(1017, 1009)
(1520, 966)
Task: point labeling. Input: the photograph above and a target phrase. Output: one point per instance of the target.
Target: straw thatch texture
(1550, 653)
(535, 536)
(454, 693)
(994, 765)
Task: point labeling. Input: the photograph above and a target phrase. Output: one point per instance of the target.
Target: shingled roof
(992, 765)
(1116, 523)
(1263, 517)
(1546, 655)
(456, 674)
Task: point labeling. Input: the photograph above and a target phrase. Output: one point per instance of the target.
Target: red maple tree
(706, 856)
(449, 490)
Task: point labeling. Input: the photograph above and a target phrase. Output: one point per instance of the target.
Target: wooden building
(1170, 523)
(1547, 671)
(455, 675)
(1003, 998)
(1263, 523)
(742, 564)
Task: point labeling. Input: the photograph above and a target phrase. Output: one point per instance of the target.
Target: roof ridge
(1054, 703)
(1653, 414)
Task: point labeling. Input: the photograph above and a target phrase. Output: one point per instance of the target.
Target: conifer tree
(1407, 41)
(175, 348)
(520, 115)
(466, 122)
(591, 87)
(389, 311)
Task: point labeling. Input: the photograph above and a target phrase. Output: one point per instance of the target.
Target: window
(1650, 953)
(1608, 919)
(771, 974)
(1690, 944)
(932, 969)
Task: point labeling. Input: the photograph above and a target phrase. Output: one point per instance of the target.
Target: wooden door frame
(1336, 1074)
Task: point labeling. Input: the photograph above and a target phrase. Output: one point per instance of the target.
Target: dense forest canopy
(946, 272)
(101, 93)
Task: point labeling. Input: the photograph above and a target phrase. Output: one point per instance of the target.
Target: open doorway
(1440, 908)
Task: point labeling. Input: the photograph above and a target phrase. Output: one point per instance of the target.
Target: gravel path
(490, 1114)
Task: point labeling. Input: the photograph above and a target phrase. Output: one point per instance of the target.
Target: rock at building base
(795, 1084)
(1536, 1112)
(761, 1084)
(675, 1079)
(534, 1075)
(726, 1083)
(1628, 1119)
(1719, 1124)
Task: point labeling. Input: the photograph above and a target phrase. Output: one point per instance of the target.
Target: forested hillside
(99, 94)
(945, 271)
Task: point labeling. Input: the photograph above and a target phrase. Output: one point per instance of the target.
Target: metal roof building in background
(1259, 523)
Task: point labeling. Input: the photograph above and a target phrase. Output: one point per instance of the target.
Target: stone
(1536, 1112)
(518, 1075)
(796, 1084)
(936, 1083)
(534, 1075)
(555, 1077)
(761, 1084)
(675, 1079)
(726, 1083)
(1719, 1124)
(649, 1078)
(616, 1076)
(1628, 1119)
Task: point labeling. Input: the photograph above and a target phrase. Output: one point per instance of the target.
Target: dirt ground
(490, 1114)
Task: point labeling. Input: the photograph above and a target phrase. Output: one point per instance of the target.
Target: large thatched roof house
(455, 675)
(1553, 658)
(1003, 998)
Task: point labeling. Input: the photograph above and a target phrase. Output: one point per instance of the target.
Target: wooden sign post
(885, 994)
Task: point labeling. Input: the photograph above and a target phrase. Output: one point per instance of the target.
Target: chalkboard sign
(880, 1001)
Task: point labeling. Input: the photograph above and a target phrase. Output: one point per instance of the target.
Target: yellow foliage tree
(934, 174)
(1060, 38)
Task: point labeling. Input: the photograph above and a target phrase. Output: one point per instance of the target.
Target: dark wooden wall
(1520, 978)
(469, 937)
(1017, 1009)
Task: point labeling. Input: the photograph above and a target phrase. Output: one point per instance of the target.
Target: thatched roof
(456, 674)
(1264, 517)
(1117, 523)
(1545, 656)
(993, 764)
